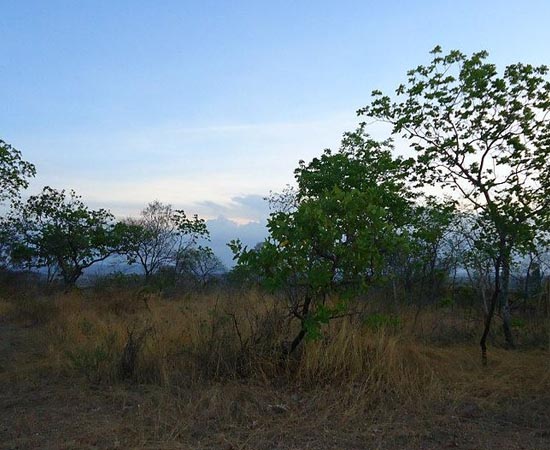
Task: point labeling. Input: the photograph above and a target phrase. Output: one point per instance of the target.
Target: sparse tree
(200, 263)
(425, 262)
(159, 235)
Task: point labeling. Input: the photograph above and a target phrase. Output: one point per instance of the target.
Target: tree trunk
(296, 341)
(70, 278)
(303, 331)
(505, 303)
(526, 284)
(491, 311)
(147, 274)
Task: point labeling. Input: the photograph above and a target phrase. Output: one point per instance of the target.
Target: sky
(209, 105)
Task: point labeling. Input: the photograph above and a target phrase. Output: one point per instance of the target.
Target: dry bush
(24, 298)
(136, 335)
(27, 309)
(381, 363)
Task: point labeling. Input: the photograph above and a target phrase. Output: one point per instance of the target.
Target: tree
(477, 263)
(5, 240)
(426, 260)
(200, 263)
(348, 215)
(160, 235)
(56, 230)
(14, 175)
(14, 171)
(486, 136)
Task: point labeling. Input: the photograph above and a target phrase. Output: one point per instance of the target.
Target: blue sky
(209, 105)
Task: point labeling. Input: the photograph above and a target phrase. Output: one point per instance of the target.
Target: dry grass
(130, 369)
(214, 338)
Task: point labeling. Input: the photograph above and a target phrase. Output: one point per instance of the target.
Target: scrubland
(129, 367)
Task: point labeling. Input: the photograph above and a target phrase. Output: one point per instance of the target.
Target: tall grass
(213, 337)
(133, 335)
(204, 369)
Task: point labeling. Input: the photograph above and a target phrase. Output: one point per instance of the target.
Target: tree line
(56, 231)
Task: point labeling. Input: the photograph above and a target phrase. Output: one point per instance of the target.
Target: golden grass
(234, 335)
(223, 337)
(208, 371)
(238, 335)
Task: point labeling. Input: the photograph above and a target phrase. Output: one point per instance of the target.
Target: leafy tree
(14, 175)
(350, 210)
(55, 229)
(6, 238)
(14, 171)
(485, 135)
(160, 235)
(531, 271)
(244, 274)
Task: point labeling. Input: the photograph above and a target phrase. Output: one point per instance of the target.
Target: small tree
(487, 136)
(350, 210)
(160, 235)
(55, 229)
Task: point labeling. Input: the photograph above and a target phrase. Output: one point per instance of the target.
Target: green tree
(56, 230)
(14, 171)
(159, 236)
(486, 135)
(348, 214)
(14, 175)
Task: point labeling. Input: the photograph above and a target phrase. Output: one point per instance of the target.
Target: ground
(494, 408)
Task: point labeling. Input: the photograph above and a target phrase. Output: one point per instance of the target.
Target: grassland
(128, 368)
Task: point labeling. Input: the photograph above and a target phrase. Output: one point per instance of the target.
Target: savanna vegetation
(400, 300)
